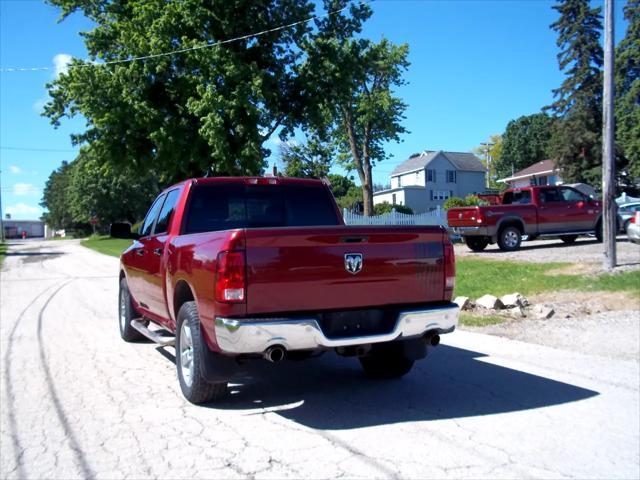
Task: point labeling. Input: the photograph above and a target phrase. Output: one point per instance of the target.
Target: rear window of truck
(216, 207)
(521, 197)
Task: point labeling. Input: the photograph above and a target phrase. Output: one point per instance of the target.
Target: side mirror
(122, 230)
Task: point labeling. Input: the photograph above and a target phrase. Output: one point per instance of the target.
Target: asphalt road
(77, 402)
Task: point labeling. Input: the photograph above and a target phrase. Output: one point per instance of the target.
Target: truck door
(558, 211)
(580, 210)
(155, 264)
(138, 258)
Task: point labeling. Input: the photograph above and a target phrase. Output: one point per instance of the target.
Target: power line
(189, 49)
(30, 149)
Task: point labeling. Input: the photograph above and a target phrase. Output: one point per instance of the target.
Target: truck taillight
(230, 277)
(449, 270)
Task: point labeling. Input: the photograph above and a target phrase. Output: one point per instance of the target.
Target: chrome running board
(153, 335)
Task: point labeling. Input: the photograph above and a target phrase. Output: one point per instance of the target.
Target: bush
(468, 201)
(385, 207)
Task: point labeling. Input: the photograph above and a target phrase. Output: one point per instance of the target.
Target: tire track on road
(87, 471)
(13, 426)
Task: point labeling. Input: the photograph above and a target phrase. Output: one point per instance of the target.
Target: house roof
(462, 161)
(544, 166)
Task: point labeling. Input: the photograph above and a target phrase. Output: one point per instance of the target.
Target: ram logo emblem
(353, 262)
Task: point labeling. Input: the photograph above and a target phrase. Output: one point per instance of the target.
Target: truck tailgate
(463, 216)
(292, 267)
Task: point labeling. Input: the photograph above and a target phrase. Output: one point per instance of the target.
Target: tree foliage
(628, 90)
(107, 193)
(490, 155)
(55, 200)
(386, 207)
(576, 138)
(208, 110)
(310, 160)
(525, 142)
(357, 109)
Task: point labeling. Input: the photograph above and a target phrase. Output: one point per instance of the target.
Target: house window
(393, 198)
(440, 194)
(451, 176)
(431, 175)
(400, 181)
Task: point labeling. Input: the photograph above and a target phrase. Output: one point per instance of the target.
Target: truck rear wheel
(189, 353)
(126, 313)
(386, 362)
(477, 244)
(509, 238)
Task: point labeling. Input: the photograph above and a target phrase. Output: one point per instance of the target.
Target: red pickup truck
(549, 211)
(232, 269)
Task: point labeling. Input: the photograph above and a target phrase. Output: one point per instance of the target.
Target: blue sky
(475, 65)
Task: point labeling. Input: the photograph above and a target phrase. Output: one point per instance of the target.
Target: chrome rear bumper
(252, 335)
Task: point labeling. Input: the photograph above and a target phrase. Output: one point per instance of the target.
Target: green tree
(525, 141)
(207, 110)
(576, 138)
(310, 160)
(358, 111)
(386, 207)
(340, 185)
(110, 194)
(55, 198)
(490, 156)
(628, 90)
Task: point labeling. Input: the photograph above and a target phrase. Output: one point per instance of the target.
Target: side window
(550, 195)
(151, 216)
(571, 195)
(162, 225)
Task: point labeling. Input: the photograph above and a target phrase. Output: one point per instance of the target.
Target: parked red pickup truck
(549, 211)
(230, 269)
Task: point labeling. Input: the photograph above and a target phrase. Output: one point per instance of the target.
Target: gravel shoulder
(585, 253)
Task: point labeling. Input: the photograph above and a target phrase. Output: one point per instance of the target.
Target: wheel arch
(182, 293)
(510, 222)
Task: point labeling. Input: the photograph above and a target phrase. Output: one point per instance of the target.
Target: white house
(425, 180)
(540, 173)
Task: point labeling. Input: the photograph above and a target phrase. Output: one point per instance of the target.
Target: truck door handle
(140, 252)
(157, 251)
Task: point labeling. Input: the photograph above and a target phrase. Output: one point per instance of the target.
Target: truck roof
(247, 179)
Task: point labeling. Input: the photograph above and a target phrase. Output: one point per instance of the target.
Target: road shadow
(332, 393)
(551, 243)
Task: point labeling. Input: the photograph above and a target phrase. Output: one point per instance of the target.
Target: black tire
(509, 238)
(194, 387)
(569, 239)
(386, 363)
(126, 313)
(626, 226)
(477, 244)
(598, 232)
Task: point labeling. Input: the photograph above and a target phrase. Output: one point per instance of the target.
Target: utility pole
(488, 146)
(608, 126)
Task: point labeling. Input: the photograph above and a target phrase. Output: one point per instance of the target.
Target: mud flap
(217, 368)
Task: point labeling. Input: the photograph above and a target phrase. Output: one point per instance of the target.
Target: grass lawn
(3, 251)
(475, 278)
(106, 245)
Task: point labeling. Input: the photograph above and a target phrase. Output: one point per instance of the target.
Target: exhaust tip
(274, 354)
(434, 339)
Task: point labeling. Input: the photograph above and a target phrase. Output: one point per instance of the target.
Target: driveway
(586, 252)
(77, 402)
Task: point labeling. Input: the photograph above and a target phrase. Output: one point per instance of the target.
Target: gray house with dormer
(426, 179)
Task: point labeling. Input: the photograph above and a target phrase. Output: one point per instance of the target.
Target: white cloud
(23, 189)
(39, 104)
(15, 169)
(60, 63)
(23, 209)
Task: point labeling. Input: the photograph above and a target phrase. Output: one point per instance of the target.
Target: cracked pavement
(78, 402)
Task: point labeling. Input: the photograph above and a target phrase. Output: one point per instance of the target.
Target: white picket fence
(435, 217)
